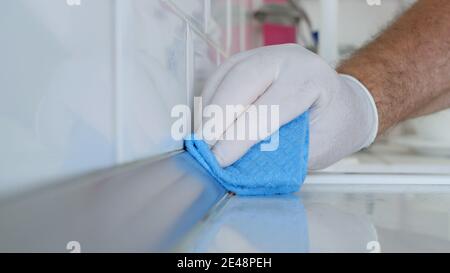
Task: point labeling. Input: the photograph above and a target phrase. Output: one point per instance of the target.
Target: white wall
(91, 86)
(56, 89)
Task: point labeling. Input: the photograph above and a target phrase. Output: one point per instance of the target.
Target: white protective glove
(343, 115)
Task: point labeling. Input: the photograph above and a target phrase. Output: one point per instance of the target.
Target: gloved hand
(343, 115)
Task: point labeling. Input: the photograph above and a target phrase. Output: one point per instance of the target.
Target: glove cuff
(373, 110)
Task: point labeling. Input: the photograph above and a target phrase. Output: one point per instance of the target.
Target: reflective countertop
(142, 207)
(172, 204)
(330, 218)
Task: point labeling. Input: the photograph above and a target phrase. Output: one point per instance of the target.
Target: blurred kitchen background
(89, 84)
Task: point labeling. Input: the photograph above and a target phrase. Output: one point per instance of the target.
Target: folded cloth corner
(262, 172)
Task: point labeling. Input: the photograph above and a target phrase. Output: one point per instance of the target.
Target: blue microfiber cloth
(262, 172)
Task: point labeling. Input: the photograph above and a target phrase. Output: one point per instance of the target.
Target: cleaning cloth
(259, 172)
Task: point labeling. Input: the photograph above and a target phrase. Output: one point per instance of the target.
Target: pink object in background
(274, 1)
(275, 34)
(278, 34)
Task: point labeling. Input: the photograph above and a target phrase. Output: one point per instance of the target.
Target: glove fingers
(216, 78)
(240, 87)
(214, 81)
(290, 102)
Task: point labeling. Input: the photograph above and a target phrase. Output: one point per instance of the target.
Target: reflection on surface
(331, 218)
(283, 224)
(256, 224)
(335, 230)
(407, 218)
(144, 207)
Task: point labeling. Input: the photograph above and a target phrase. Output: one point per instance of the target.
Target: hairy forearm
(441, 102)
(407, 68)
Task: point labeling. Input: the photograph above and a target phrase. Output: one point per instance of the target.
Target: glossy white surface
(56, 90)
(331, 218)
(142, 207)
